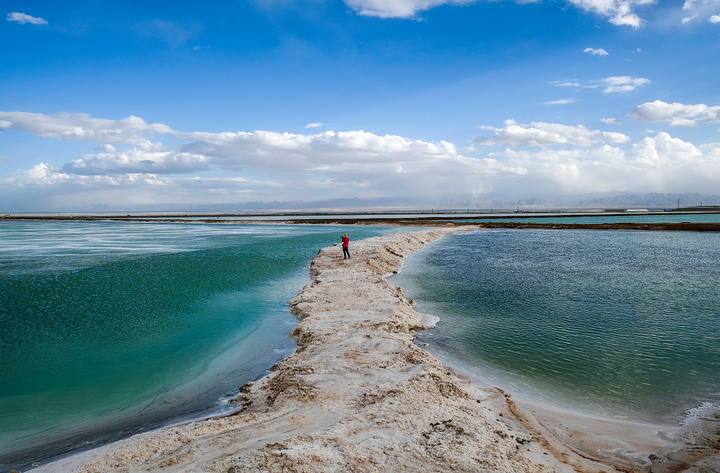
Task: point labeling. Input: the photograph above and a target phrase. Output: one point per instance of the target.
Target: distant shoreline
(494, 213)
(442, 219)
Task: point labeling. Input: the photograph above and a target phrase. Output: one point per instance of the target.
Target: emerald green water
(111, 328)
(107, 329)
(625, 324)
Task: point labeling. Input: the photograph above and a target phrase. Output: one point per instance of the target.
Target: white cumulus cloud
(398, 8)
(258, 165)
(41, 174)
(620, 84)
(657, 163)
(79, 126)
(23, 18)
(231, 167)
(676, 114)
(542, 134)
(138, 160)
(596, 52)
(662, 151)
(620, 12)
(322, 152)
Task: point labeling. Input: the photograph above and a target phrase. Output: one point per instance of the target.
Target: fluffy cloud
(620, 12)
(23, 18)
(265, 151)
(352, 162)
(548, 134)
(657, 163)
(715, 19)
(596, 52)
(290, 152)
(539, 159)
(259, 165)
(676, 114)
(620, 84)
(663, 151)
(78, 126)
(41, 174)
(398, 8)
(137, 160)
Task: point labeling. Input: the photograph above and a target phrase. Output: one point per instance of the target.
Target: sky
(109, 104)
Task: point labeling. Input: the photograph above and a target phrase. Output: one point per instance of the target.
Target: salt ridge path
(357, 395)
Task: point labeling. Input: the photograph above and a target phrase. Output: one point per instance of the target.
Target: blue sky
(125, 104)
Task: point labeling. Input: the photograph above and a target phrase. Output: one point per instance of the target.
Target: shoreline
(423, 222)
(359, 395)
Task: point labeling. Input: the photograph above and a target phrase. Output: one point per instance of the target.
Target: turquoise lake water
(107, 329)
(617, 323)
(111, 328)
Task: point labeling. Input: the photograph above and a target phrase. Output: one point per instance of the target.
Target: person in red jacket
(346, 244)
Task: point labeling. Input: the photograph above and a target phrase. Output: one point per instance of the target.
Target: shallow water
(111, 328)
(625, 324)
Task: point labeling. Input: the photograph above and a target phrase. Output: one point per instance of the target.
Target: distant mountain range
(618, 201)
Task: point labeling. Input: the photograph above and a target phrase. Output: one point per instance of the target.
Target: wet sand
(358, 395)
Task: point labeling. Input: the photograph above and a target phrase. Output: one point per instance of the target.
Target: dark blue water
(625, 324)
(107, 328)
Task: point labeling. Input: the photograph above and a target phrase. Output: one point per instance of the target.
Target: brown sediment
(358, 395)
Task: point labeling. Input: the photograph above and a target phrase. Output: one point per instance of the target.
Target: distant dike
(489, 203)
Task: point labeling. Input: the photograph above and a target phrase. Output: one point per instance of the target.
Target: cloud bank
(130, 166)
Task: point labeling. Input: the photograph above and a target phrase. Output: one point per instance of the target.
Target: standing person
(346, 244)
